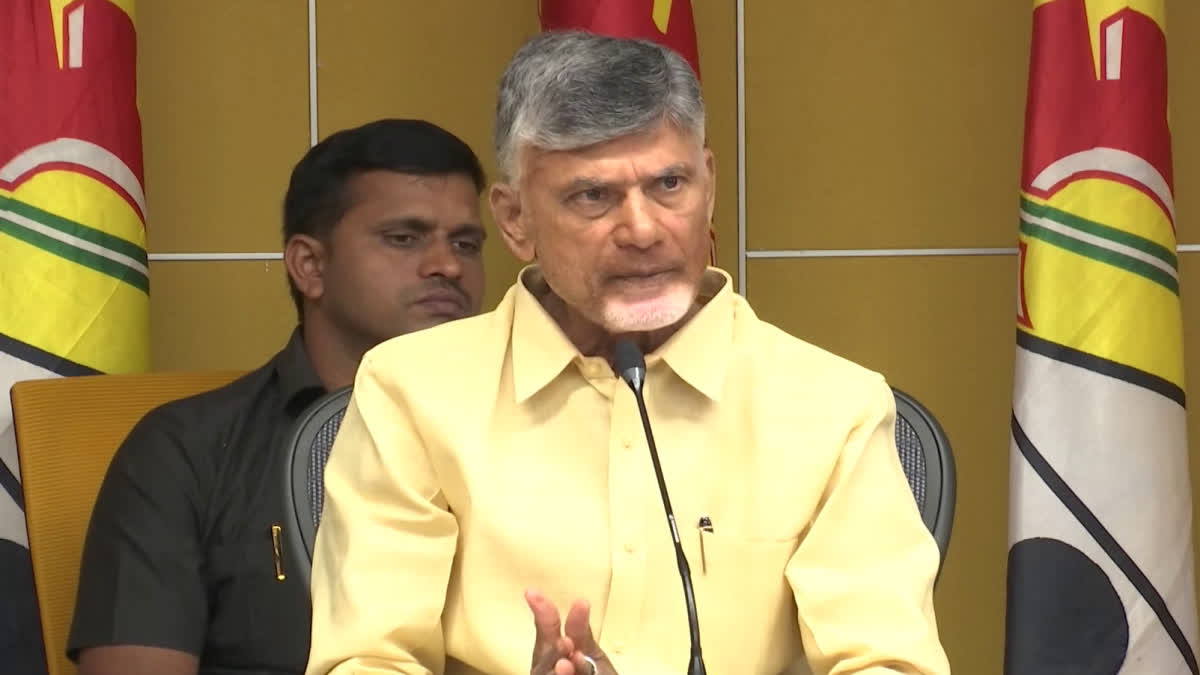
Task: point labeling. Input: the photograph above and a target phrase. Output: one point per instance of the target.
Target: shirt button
(626, 443)
(629, 547)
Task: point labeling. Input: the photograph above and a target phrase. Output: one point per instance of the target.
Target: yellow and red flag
(1100, 564)
(667, 22)
(74, 283)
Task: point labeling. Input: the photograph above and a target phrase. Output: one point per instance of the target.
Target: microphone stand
(696, 663)
(632, 366)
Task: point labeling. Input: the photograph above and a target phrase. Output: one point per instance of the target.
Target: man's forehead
(622, 158)
(389, 182)
(392, 189)
(388, 196)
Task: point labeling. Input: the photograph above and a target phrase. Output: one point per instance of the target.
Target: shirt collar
(298, 382)
(540, 350)
(698, 353)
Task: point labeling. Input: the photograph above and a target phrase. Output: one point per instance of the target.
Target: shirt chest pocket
(251, 611)
(745, 603)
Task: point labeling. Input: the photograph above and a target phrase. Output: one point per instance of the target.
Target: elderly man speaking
(499, 509)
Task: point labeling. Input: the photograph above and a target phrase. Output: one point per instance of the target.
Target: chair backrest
(929, 465)
(307, 452)
(67, 431)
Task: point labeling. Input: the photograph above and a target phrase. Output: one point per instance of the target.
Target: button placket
(627, 532)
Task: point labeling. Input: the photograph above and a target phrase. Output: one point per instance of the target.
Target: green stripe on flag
(70, 227)
(1117, 235)
(1101, 254)
(95, 261)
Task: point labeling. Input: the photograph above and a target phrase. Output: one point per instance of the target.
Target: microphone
(632, 367)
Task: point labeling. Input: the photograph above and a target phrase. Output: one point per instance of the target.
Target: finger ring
(591, 663)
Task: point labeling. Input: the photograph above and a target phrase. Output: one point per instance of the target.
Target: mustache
(647, 270)
(440, 285)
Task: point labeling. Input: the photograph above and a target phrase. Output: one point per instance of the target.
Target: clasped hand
(560, 649)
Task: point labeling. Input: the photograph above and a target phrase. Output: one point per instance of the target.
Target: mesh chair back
(912, 458)
(928, 464)
(318, 457)
(308, 448)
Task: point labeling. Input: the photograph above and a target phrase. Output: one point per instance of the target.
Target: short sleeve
(863, 575)
(140, 579)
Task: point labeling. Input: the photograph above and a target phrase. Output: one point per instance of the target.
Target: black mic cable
(632, 367)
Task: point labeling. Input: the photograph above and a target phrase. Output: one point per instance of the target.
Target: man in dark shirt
(382, 236)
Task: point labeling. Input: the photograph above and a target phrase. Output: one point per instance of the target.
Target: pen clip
(277, 551)
(705, 525)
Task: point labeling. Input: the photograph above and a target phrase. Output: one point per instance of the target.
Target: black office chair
(304, 490)
(928, 464)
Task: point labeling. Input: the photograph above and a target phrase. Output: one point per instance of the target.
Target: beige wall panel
(432, 60)
(223, 89)
(716, 35)
(1189, 289)
(884, 124)
(1183, 49)
(218, 315)
(881, 125)
(941, 329)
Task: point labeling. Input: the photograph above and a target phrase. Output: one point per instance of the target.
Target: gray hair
(565, 90)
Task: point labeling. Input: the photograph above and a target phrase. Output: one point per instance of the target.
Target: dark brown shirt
(179, 551)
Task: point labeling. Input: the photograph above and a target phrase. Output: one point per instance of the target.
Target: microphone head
(631, 365)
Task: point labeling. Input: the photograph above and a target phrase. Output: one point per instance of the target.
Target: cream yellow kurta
(486, 456)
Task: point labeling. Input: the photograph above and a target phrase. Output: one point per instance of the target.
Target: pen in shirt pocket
(705, 525)
(277, 551)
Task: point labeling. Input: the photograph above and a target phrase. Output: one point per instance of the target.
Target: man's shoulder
(460, 345)
(208, 412)
(450, 368)
(222, 400)
(804, 387)
(777, 354)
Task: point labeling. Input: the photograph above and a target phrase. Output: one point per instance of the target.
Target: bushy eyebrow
(582, 183)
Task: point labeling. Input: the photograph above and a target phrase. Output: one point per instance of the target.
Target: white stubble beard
(650, 314)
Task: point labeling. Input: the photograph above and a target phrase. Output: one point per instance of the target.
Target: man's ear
(710, 167)
(304, 256)
(505, 201)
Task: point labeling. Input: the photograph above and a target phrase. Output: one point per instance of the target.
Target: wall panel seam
(762, 254)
